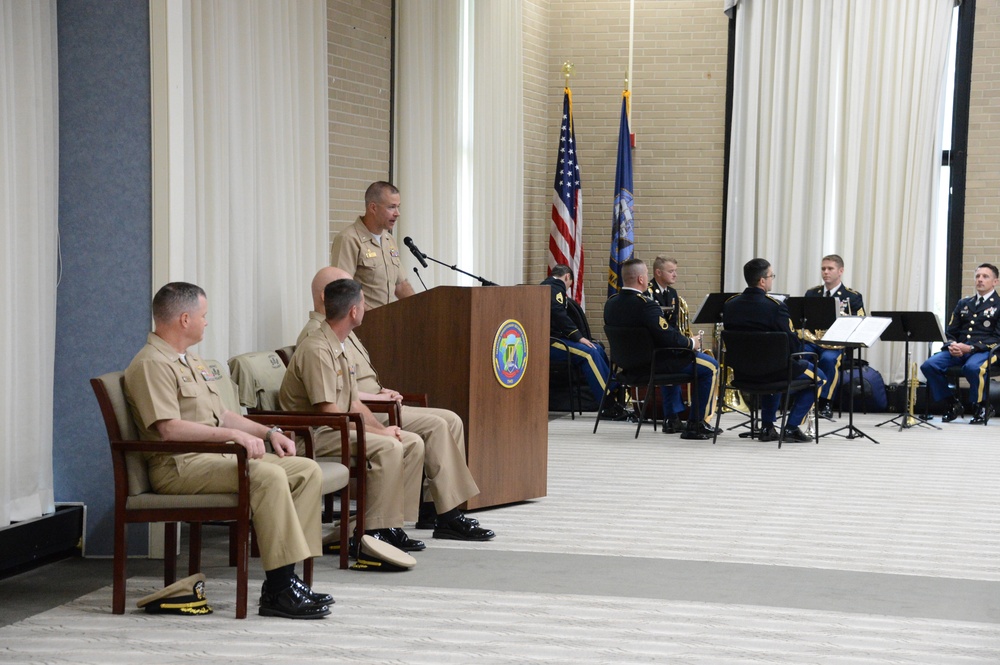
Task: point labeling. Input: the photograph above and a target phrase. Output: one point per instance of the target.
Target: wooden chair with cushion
(136, 502)
(258, 377)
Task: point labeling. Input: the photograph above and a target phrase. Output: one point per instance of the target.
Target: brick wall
(359, 47)
(982, 200)
(678, 115)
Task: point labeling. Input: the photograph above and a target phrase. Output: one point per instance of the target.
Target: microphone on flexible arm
(408, 241)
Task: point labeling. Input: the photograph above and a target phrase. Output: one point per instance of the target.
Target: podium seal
(510, 353)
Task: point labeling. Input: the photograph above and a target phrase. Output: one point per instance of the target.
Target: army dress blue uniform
(829, 359)
(973, 323)
(666, 298)
(631, 308)
(755, 311)
(565, 336)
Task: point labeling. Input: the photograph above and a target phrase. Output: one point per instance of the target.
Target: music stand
(812, 313)
(863, 332)
(910, 327)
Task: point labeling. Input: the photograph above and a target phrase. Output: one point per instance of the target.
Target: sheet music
(863, 330)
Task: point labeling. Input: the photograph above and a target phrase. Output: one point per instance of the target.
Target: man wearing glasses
(755, 311)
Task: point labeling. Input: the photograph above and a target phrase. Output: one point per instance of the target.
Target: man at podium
(972, 339)
(368, 252)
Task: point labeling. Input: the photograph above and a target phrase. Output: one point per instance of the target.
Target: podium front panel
(440, 342)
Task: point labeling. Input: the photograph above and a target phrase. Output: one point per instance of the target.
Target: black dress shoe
(767, 433)
(426, 522)
(397, 538)
(461, 528)
(291, 603)
(955, 411)
(315, 597)
(698, 432)
(795, 434)
(983, 415)
(614, 411)
(673, 426)
(825, 410)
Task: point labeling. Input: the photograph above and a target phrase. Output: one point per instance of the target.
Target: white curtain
(256, 204)
(836, 147)
(459, 137)
(28, 250)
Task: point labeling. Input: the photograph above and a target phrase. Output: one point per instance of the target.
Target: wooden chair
(258, 376)
(136, 502)
(635, 361)
(762, 364)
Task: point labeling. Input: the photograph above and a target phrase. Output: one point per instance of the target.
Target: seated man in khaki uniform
(449, 481)
(321, 378)
(173, 397)
(367, 250)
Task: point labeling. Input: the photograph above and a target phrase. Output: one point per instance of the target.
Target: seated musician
(570, 335)
(632, 307)
(852, 304)
(972, 338)
(661, 289)
(755, 310)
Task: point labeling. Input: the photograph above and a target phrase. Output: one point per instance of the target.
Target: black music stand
(910, 327)
(859, 333)
(812, 313)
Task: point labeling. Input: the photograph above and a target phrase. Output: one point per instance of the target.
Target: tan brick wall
(539, 154)
(982, 200)
(678, 115)
(359, 47)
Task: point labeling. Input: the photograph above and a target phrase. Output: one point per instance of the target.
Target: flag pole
(631, 42)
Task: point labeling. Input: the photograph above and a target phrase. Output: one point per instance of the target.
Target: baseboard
(25, 545)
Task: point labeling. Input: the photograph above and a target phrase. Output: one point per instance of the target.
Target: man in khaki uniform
(368, 252)
(321, 378)
(449, 481)
(173, 396)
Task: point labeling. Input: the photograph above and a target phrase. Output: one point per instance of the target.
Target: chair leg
(600, 407)
(345, 524)
(242, 565)
(307, 571)
(169, 553)
(118, 574)
(194, 548)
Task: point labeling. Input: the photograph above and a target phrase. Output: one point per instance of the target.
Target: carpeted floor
(648, 550)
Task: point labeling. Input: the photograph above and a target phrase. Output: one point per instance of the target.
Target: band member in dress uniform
(633, 307)
(661, 289)
(566, 337)
(972, 339)
(852, 304)
(755, 310)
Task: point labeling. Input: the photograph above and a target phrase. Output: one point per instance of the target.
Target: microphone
(408, 241)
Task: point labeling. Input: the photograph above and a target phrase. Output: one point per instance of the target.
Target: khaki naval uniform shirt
(374, 265)
(284, 491)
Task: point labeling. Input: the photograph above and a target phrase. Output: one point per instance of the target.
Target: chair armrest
(120, 448)
(389, 407)
(415, 399)
(688, 354)
(296, 420)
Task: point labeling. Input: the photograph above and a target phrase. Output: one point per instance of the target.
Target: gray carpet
(648, 550)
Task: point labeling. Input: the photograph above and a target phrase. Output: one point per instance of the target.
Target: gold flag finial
(567, 70)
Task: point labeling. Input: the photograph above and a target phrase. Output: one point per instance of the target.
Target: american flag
(566, 236)
(622, 235)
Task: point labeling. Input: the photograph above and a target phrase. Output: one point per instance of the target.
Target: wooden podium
(440, 342)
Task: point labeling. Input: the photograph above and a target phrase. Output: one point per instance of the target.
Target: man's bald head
(322, 278)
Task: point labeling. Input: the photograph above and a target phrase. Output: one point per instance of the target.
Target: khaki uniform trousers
(449, 481)
(284, 498)
(392, 485)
